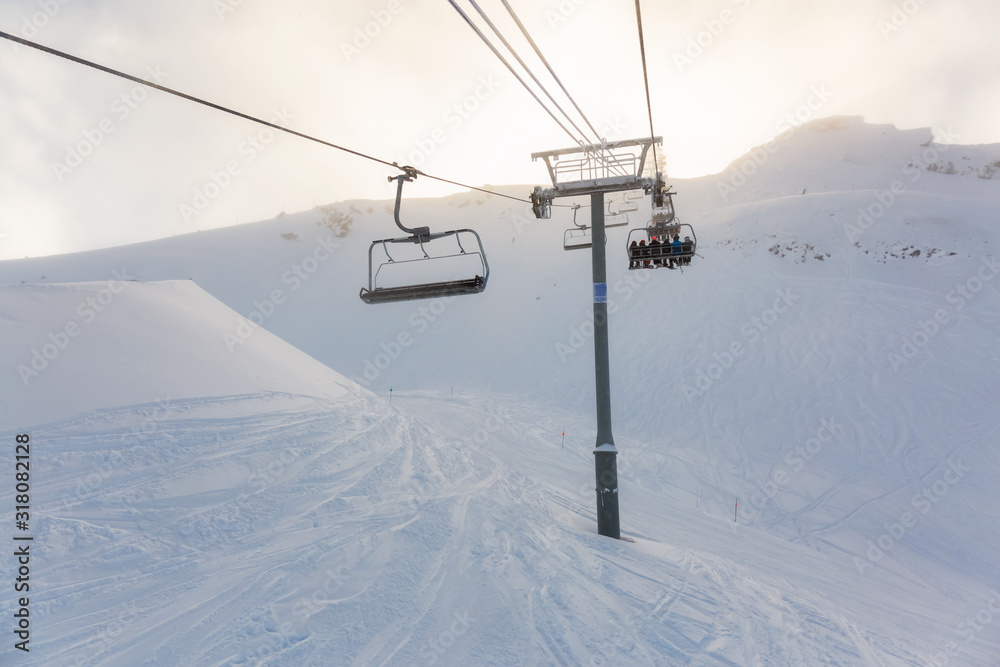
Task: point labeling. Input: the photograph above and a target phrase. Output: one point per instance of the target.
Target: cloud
(384, 82)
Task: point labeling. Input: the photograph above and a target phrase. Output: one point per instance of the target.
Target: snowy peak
(138, 343)
(833, 153)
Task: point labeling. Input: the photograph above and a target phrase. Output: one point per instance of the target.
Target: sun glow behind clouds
(385, 78)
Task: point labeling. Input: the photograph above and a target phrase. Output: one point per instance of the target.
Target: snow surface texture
(204, 494)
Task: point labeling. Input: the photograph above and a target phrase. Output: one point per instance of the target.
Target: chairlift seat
(426, 275)
(378, 292)
(616, 219)
(425, 291)
(577, 238)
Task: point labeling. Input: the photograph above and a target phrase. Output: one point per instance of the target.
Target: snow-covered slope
(811, 364)
(88, 346)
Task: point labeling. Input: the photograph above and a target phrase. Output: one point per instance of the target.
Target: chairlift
(655, 246)
(577, 237)
(392, 276)
(618, 219)
(630, 202)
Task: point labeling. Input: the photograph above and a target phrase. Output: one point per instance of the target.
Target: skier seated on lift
(654, 252)
(675, 249)
(633, 255)
(688, 248)
(644, 252)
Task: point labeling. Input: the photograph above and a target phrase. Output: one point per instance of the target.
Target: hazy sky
(87, 160)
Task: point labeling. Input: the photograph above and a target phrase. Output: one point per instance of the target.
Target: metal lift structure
(579, 236)
(594, 170)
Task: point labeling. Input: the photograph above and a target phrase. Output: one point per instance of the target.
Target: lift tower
(596, 169)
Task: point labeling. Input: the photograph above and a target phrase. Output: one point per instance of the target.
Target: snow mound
(75, 348)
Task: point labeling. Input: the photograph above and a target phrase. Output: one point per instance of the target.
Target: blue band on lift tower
(600, 292)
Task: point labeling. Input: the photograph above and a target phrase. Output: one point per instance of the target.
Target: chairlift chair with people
(665, 242)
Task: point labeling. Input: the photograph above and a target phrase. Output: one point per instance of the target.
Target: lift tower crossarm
(604, 167)
(603, 146)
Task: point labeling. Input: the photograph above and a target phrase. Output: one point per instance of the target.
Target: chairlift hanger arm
(409, 174)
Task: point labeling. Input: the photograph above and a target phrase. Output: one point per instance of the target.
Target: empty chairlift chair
(630, 202)
(425, 264)
(616, 218)
(580, 237)
(577, 237)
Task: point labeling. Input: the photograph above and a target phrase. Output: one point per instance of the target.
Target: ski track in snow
(300, 530)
